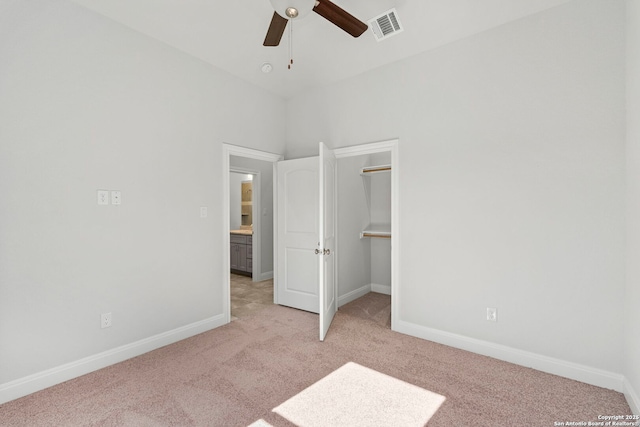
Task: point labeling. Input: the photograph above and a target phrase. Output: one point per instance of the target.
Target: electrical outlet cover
(116, 198)
(105, 320)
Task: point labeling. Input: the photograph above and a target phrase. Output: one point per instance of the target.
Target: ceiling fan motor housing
(290, 9)
(291, 12)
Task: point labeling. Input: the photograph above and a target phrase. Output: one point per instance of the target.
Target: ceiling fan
(286, 10)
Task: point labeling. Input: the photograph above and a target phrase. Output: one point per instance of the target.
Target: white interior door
(297, 271)
(327, 232)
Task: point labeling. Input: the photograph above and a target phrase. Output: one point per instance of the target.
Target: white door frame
(229, 150)
(380, 147)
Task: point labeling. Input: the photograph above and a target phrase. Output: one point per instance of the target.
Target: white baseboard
(574, 371)
(266, 276)
(41, 380)
(353, 295)
(381, 289)
(632, 397)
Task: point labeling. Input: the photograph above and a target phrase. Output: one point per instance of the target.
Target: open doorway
(244, 206)
(251, 283)
(364, 236)
(369, 231)
(248, 253)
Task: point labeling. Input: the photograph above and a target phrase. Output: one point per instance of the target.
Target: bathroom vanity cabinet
(241, 253)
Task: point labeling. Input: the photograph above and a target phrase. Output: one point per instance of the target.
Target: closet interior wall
(363, 264)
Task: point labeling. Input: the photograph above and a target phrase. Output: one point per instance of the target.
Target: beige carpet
(356, 396)
(236, 374)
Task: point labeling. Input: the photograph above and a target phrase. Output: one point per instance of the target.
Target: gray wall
(88, 104)
(632, 295)
(511, 179)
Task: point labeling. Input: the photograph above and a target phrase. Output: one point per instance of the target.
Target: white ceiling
(229, 34)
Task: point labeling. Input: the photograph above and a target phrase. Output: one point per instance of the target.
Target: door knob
(317, 251)
(327, 251)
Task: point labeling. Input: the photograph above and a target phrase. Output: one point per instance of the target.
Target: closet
(364, 225)
(337, 218)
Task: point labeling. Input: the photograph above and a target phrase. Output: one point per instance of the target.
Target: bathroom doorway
(249, 236)
(243, 201)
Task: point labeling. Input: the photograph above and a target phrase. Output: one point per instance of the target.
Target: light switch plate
(103, 197)
(203, 211)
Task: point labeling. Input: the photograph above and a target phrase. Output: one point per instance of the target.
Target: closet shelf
(369, 170)
(377, 231)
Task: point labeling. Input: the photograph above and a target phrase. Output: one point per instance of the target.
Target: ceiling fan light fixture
(291, 12)
(290, 9)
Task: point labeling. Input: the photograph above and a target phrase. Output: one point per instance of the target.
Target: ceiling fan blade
(340, 17)
(275, 31)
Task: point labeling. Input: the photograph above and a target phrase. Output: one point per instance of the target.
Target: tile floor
(248, 297)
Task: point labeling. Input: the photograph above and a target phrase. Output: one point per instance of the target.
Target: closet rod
(376, 169)
(380, 236)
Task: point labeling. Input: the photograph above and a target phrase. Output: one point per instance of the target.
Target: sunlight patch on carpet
(354, 395)
(260, 423)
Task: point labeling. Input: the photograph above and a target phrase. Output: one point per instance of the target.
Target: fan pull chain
(290, 44)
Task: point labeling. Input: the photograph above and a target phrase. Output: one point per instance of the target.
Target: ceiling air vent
(386, 25)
